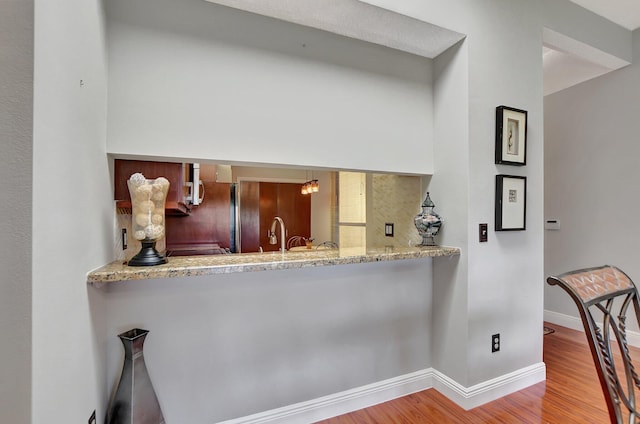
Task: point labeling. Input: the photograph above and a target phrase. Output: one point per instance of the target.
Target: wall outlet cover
(388, 229)
(484, 232)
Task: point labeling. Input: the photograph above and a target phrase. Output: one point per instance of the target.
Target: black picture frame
(511, 203)
(511, 136)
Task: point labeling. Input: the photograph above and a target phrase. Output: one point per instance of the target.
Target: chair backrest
(608, 292)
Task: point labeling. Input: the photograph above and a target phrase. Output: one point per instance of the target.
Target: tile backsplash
(395, 199)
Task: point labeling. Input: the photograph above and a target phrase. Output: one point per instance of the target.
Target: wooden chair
(608, 292)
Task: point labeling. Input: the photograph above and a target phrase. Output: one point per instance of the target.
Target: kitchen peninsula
(187, 266)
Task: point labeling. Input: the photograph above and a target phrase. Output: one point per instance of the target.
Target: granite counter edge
(190, 266)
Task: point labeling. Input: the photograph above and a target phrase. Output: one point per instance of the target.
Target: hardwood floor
(571, 394)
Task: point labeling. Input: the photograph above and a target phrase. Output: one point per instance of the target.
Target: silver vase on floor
(135, 401)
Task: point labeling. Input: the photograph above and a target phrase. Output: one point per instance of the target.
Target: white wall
(226, 346)
(72, 210)
(591, 172)
(16, 135)
(196, 79)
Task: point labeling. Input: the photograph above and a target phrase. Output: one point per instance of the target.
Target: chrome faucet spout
(272, 234)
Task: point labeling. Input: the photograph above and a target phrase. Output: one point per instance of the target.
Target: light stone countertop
(186, 266)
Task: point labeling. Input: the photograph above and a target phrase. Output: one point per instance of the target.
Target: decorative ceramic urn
(428, 222)
(147, 209)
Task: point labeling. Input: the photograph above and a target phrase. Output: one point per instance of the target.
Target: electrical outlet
(388, 229)
(92, 418)
(495, 343)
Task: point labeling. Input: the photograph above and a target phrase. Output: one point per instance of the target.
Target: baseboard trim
(386, 390)
(564, 320)
(343, 402)
(575, 323)
(487, 391)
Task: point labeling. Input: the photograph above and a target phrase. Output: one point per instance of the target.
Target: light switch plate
(124, 239)
(484, 233)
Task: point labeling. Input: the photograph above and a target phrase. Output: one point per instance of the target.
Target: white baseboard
(386, 390)
(575, 323)
(487, 391)
(342, 402)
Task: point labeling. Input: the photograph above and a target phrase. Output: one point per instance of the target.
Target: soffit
(566, 62)
(625, 13)
(358, 20)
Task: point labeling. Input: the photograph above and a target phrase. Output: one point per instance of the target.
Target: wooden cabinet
(208, 227)
(249, 216)
(261, 202)
(295, 210)
(174, 172)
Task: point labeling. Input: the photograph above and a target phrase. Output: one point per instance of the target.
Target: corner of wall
(16, 165)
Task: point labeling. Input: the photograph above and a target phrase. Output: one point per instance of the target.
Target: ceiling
(625, 13)
(563, 70)
(359, 20)
(566, 62)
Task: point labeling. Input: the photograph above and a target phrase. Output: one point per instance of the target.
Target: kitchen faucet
(272, 234)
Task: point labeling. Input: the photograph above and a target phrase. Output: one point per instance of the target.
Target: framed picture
(511, 203)
(511, 136)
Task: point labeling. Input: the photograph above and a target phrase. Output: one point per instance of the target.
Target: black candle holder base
(148, 255)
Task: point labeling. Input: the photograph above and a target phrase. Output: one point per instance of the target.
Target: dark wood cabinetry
(174, 172)
(199, 230)
(261, 202)
(249, 216)
(207, 229)
(295, 210)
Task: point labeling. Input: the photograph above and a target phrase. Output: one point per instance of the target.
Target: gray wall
(482, 296)
(591, 175)
(255, 66)
(450, 190)
(226, 346)
(295, 95)
(241, 86)
(73, 213)
(16, 124)
(497, 287)
(580, 24)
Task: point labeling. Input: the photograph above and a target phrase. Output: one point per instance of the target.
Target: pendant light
(311, 186)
